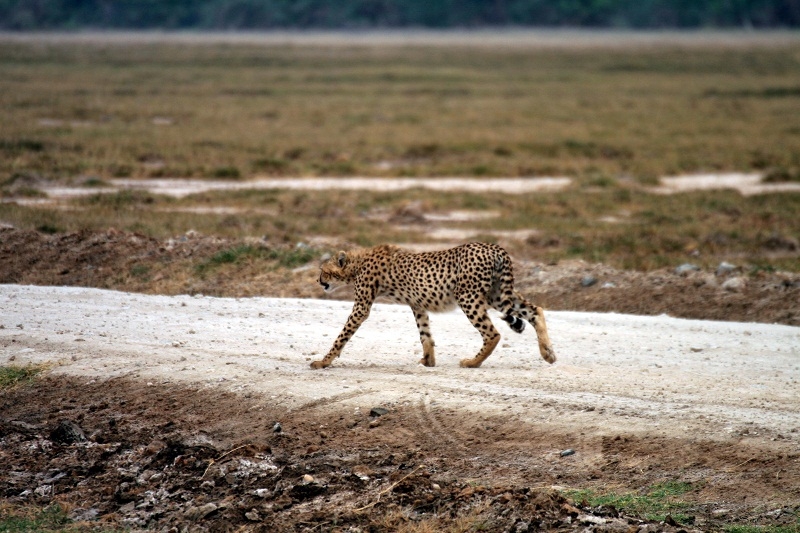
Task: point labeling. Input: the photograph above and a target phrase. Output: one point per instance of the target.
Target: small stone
(253, 516)
(67, 432)
(436, 486)
(725, 268)
(374, 423)
(198, 513)
(262, 493)
(308, 478)
(685, 268)
(378, 411)
(277, 428)
(734, 284)
(591, 519)
(588, 281)
(567, 452)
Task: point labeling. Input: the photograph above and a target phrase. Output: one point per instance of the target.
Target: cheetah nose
(325, 286)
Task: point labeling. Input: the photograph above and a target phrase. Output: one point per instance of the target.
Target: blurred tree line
(356, 14)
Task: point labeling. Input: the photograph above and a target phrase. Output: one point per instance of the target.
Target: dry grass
(621, 225)
(236, 111)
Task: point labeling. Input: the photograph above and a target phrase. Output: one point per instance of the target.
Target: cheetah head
(336, 272)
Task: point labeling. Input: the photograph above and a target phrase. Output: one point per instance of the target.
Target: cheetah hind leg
(515, 323)
(518, 305)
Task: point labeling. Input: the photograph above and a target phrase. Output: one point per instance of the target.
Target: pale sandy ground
(746, 184)
(615, 373)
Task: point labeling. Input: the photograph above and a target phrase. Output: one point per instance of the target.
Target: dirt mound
(192, 264)
(169, 458)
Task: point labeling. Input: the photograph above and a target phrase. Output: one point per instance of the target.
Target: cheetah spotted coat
(475, 276)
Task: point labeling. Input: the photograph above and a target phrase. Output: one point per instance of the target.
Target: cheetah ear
(342, 259)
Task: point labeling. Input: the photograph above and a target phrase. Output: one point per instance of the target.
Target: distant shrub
(47, 228)
(227, 173)
(782, 175)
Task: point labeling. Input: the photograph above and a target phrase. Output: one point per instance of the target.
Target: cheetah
(474, 276)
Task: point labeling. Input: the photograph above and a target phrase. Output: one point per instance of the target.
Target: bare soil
(178, 458)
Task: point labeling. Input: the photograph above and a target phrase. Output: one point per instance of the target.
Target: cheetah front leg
(357, 316)
(476, 310)
(428, 356)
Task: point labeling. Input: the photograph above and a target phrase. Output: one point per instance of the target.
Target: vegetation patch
(285, 258)
(12, 375)
(31, 520)
(653, 503)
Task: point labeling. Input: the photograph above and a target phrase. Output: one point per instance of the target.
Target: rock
(198, 513)
(44, 491)
(277, 428)
(304, 491)
(567, 452)
(378, 411)
(777, 241)
(588, 281)
(685, 268)
(735, 284)
(374, 423)
(84, 515)
(67, 432)
(308, 478)
(253, 516)
(591, 519)
(725, 268)
(608, 285)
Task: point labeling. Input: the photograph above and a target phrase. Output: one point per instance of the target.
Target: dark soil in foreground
(126, 455)
(212, 266)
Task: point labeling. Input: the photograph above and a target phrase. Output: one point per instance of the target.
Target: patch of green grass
(286, 258)
(736, 528)
(12, 375)
(52, 518)
(231, 255)
(140, 271)
(654, 503)
(298, 256)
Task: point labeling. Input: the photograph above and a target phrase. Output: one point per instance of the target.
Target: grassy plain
(235, 111)
(614, 118)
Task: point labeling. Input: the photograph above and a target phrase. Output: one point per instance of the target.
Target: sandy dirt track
(616, 373)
